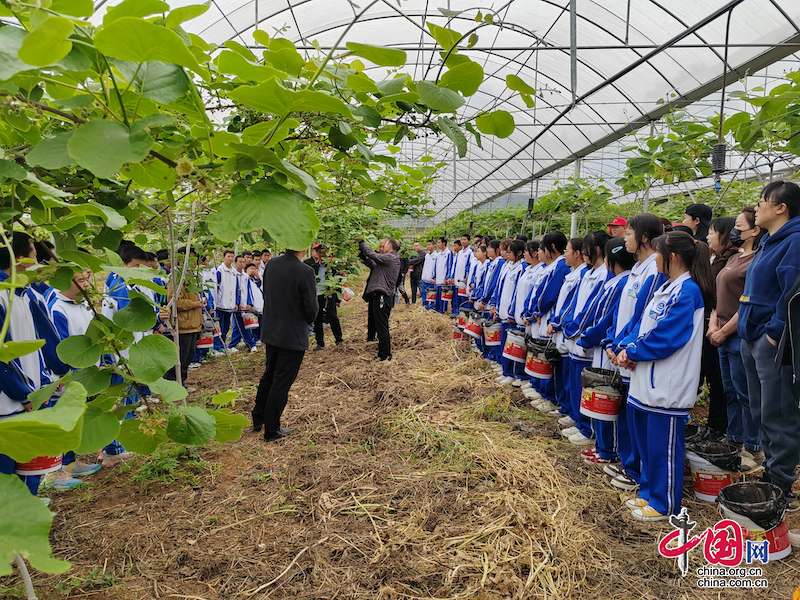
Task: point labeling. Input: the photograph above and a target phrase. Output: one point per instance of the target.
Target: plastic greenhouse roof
(636, 59)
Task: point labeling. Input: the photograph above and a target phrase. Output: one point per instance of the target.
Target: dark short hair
(443, 239)
(521, 237)
(465, 235)
(247, 253)
(248, 265)
(394, 243)
(784, 192)
(21, 245)
(43, 254)
(224, 254)
(238, 256)
(134, 253)
(555, 240)
(162, 254)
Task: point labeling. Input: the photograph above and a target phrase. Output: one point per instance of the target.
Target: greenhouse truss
(601, 68)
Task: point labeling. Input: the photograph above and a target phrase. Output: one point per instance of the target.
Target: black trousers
(281, 370)
(416, 288)
(327, 312)
(188, 346)
(718, 402)
(380, 307)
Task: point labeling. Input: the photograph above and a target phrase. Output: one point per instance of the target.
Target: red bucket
(601, 403)
(447, 293)
(463, 318)
(462, 290)
(538, 367)
(474, 327)
(515, 346)
(458, 333)
(206, 340)
(217, 329)
(39, 466)
(250, 320)
(708, 479)
(430, 295)
(493, 334)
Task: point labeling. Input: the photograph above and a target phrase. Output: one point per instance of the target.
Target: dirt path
(415, 479)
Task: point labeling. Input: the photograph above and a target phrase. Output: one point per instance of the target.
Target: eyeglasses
(762, 201)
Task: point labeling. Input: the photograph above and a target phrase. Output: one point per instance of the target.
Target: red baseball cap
(618, 222)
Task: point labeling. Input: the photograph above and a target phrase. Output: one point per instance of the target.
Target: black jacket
(417, 262)
(789, 344)
(290, 303)
(329, 270)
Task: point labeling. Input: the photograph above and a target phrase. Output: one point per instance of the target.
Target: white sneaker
(532, 394)
(505, 380)
(546, 406)
(193, 366)
(555, 412)
(569, 431)
(254, 349)
(232, 350)
(580, 440)
(517, 382)
(526, 385)
(566, 421)
(258, 343)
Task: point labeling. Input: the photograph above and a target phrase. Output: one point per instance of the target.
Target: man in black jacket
(290, 304)
(327, 304)
(415, 263)
(381, 284)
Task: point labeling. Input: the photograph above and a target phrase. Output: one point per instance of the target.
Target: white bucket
(39, 466)
(492, 334)
(708, 479)
(515, 346)
(601, 402)
(250, 320)
(779, 544)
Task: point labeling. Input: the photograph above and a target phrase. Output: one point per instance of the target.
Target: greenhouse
(399, 299)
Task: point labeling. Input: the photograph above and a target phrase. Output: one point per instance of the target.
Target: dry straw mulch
(413, 479)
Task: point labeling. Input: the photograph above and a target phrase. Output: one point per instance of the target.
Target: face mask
(735, 237)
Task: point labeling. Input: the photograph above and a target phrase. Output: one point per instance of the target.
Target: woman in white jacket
(665, 360)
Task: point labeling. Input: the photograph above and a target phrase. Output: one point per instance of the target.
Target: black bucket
(546, 348)
(720, 454)
(592, 377)
(763, 503)
(695, 434)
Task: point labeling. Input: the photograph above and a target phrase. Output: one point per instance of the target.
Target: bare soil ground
(413, 479)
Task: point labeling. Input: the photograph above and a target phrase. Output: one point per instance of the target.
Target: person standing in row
(415, 266)
(441, 273)
(327, 304)
(463, 265)
(290, 305)
(427, 276)
(379, 292)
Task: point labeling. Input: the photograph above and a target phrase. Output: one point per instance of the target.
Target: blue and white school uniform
(477, 281)
(602, 316)
(428, 273)
(443, 270)
(239, 333)
(527, 281)
(579, 357)
(226, 299)
(667, 350)
(28, 321)
(505, 294)
(461, 269)
(560, 313)
(642, 283)
(255, 298)
(491, 280)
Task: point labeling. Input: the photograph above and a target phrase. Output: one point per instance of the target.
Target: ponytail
(696, 256)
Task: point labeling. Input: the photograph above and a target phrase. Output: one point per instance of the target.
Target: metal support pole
(573, 51)
(573, 226)
(647, 190)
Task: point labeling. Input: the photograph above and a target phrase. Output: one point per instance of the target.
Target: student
(642, 283)
(116, 297)
(208, 277)
(493, 274)
(45, 253)
(428, 274)
(502, 300)
(665, 359)
(255, 298)
(240, 334)
(578, 319)
(561, 312)
(771, 276)
(463, 265)
(72, 315)
(477, 279)
(543, 298)
(266, 255)
(28, 321)
(697, 217)
(226, 298)
(443, 266)
(618, 262)
(532, 270)
(743, 431)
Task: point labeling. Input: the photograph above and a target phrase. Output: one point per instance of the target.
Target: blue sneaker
(84, 470)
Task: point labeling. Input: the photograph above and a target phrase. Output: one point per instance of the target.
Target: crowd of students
(223, 294)
(658, 306)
